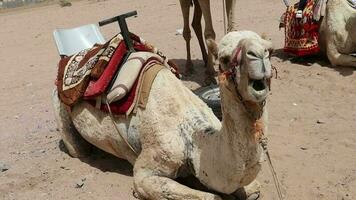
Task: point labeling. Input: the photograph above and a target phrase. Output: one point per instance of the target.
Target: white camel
(177, 134)
(338, 32)
(202, 8)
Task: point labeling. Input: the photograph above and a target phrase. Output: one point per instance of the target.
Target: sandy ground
(312, 107)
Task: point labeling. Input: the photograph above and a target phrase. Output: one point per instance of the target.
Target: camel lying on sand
(178, 134)
(338, 33)
(202, 8)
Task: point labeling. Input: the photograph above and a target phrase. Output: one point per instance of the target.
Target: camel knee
(149, 186)
(333, 54)
(142, 184)
(333, 60)
(338, 59)
(210, 35)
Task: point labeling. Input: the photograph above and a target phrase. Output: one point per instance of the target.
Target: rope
(117, 129)
(273, 171)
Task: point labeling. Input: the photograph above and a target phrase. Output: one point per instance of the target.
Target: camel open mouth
(258, 85)
(258, 88)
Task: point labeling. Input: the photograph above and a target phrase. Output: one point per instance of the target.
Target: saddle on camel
(302, 32)
(111, 74)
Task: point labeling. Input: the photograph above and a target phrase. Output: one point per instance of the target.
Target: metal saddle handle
(121, 19)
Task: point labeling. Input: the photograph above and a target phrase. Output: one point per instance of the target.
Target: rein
(261, 138)
(118, 131)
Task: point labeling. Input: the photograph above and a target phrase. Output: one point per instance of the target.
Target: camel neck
(242, 121)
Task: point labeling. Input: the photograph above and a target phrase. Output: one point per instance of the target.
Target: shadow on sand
(103, 161)
(320, 59)
(198, 76)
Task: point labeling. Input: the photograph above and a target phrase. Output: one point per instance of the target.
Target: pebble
(80, 183)
(320, 121)
(3, 167)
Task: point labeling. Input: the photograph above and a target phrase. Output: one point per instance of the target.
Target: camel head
(247, 66)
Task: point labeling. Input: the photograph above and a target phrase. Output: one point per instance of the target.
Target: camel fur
(338, 33)
(202, 8)
(177, 134)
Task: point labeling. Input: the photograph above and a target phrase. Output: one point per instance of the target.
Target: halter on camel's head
(249, 69)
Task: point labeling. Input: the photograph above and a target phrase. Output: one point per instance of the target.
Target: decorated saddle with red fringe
(301, 35)
(88, 74)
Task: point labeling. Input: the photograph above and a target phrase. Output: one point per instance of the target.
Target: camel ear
(213, 47)
(268, 45)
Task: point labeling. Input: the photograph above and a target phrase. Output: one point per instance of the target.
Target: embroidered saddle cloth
(301, 35)
(87, 75)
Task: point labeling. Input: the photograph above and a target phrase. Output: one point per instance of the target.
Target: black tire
(211, 96)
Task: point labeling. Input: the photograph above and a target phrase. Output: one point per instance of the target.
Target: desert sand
(312, 107)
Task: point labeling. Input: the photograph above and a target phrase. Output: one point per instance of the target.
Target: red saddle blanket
(301, 35)
(88, 74)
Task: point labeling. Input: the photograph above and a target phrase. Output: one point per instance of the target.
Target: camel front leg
(209, 34)
(77, 147)
(338, 59)
(231, 15)
(249, 192)
(154, 171)
(185, 6)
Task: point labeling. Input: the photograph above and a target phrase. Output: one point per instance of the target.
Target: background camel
(338, 33)
(202, 8)
(178, 134)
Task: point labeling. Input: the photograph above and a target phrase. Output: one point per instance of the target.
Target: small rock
(179, 31)
(303, 148)
(320, 121)
(80, 183)
(63, 167)
(3, 167)
(64, 3)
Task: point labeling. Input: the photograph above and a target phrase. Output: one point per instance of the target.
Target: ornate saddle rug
(301, 35)
(87, 75)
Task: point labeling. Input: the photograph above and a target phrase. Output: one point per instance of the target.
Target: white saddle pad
(128, 74)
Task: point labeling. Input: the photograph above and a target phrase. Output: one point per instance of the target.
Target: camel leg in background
(209, 39)
(338, 59)
(196, 24)
(231, 15)
(77, 147)
(185, 6)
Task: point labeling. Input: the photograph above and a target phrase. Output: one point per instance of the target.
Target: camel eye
(251, 53)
